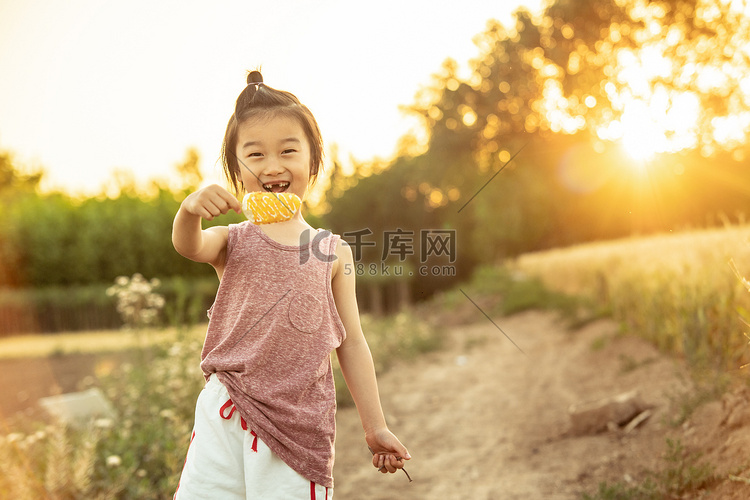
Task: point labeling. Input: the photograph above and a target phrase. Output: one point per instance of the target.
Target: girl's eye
(287, 151)
(251, 155)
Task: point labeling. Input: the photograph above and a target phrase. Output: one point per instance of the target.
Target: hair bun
(254, 77)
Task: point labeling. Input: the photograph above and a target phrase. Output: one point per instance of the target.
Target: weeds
(140, 454)
(401, 336)
(518, 292)
(706, 387)
(136, 455)
(137, 302)
(619, 491)
(683, 473)
(600, 342)
(629, 364)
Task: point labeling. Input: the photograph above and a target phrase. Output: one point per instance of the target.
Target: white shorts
(226, 460)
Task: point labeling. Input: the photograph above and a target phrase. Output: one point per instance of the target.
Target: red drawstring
(229, 405)
(254, 447)
(312, 491)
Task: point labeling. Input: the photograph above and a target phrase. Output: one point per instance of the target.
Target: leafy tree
(13, 179)
(189, 171)
(52, 239)
(573, 89)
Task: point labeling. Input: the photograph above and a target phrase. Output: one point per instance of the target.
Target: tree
(189, 171)
(13, 179)
(631, 116)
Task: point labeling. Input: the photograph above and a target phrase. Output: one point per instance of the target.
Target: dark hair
(260, 100)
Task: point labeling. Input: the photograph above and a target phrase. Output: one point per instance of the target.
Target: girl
(265, 422)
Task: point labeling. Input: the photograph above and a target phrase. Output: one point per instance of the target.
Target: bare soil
(484, 421)
(25, 380)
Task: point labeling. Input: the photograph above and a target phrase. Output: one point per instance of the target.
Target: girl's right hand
(210, 202)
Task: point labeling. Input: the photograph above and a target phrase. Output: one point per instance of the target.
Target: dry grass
(676, 290)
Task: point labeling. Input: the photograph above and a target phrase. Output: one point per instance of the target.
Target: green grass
(619, 491)
(140, 455)
(504, 292)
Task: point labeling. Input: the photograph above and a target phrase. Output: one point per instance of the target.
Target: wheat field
(685, 292)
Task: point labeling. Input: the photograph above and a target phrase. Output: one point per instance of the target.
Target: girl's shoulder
(239, 229)
(344, 258)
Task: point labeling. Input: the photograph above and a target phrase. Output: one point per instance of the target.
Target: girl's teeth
(281, 185)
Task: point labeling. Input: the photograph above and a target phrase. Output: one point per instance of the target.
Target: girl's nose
(272, 166)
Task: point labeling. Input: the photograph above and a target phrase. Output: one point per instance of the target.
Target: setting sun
(653, 118)
(665, 89)
(663, 124)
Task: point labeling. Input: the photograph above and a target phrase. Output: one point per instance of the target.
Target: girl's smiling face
(274, 155)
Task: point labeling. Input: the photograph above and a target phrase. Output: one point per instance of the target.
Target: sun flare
(664, 121)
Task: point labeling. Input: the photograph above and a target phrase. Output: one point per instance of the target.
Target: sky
(90, 87)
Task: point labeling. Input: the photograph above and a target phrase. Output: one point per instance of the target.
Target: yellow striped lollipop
(264, 207)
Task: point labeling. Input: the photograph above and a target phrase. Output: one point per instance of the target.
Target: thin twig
(397, 458)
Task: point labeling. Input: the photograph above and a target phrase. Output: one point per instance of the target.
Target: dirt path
(484, 421)
(24, 381)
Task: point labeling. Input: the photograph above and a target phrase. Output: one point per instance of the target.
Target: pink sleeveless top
(271, 332)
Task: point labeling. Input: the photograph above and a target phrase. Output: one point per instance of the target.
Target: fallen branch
(739, 479)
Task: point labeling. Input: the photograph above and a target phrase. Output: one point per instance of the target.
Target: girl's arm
(189, 239)
(357, 367)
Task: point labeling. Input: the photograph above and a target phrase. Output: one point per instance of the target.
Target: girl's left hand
(388, 452)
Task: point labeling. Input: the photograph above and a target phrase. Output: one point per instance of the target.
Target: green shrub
(87, 307)
(55, 240)
(517, 291)
(55, 309)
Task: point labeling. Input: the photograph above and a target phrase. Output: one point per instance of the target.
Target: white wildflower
(30, 440)
(137, 303)
(15, 437)
(167, 413)
(114, 461)
(175, 349)
(103, 423)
